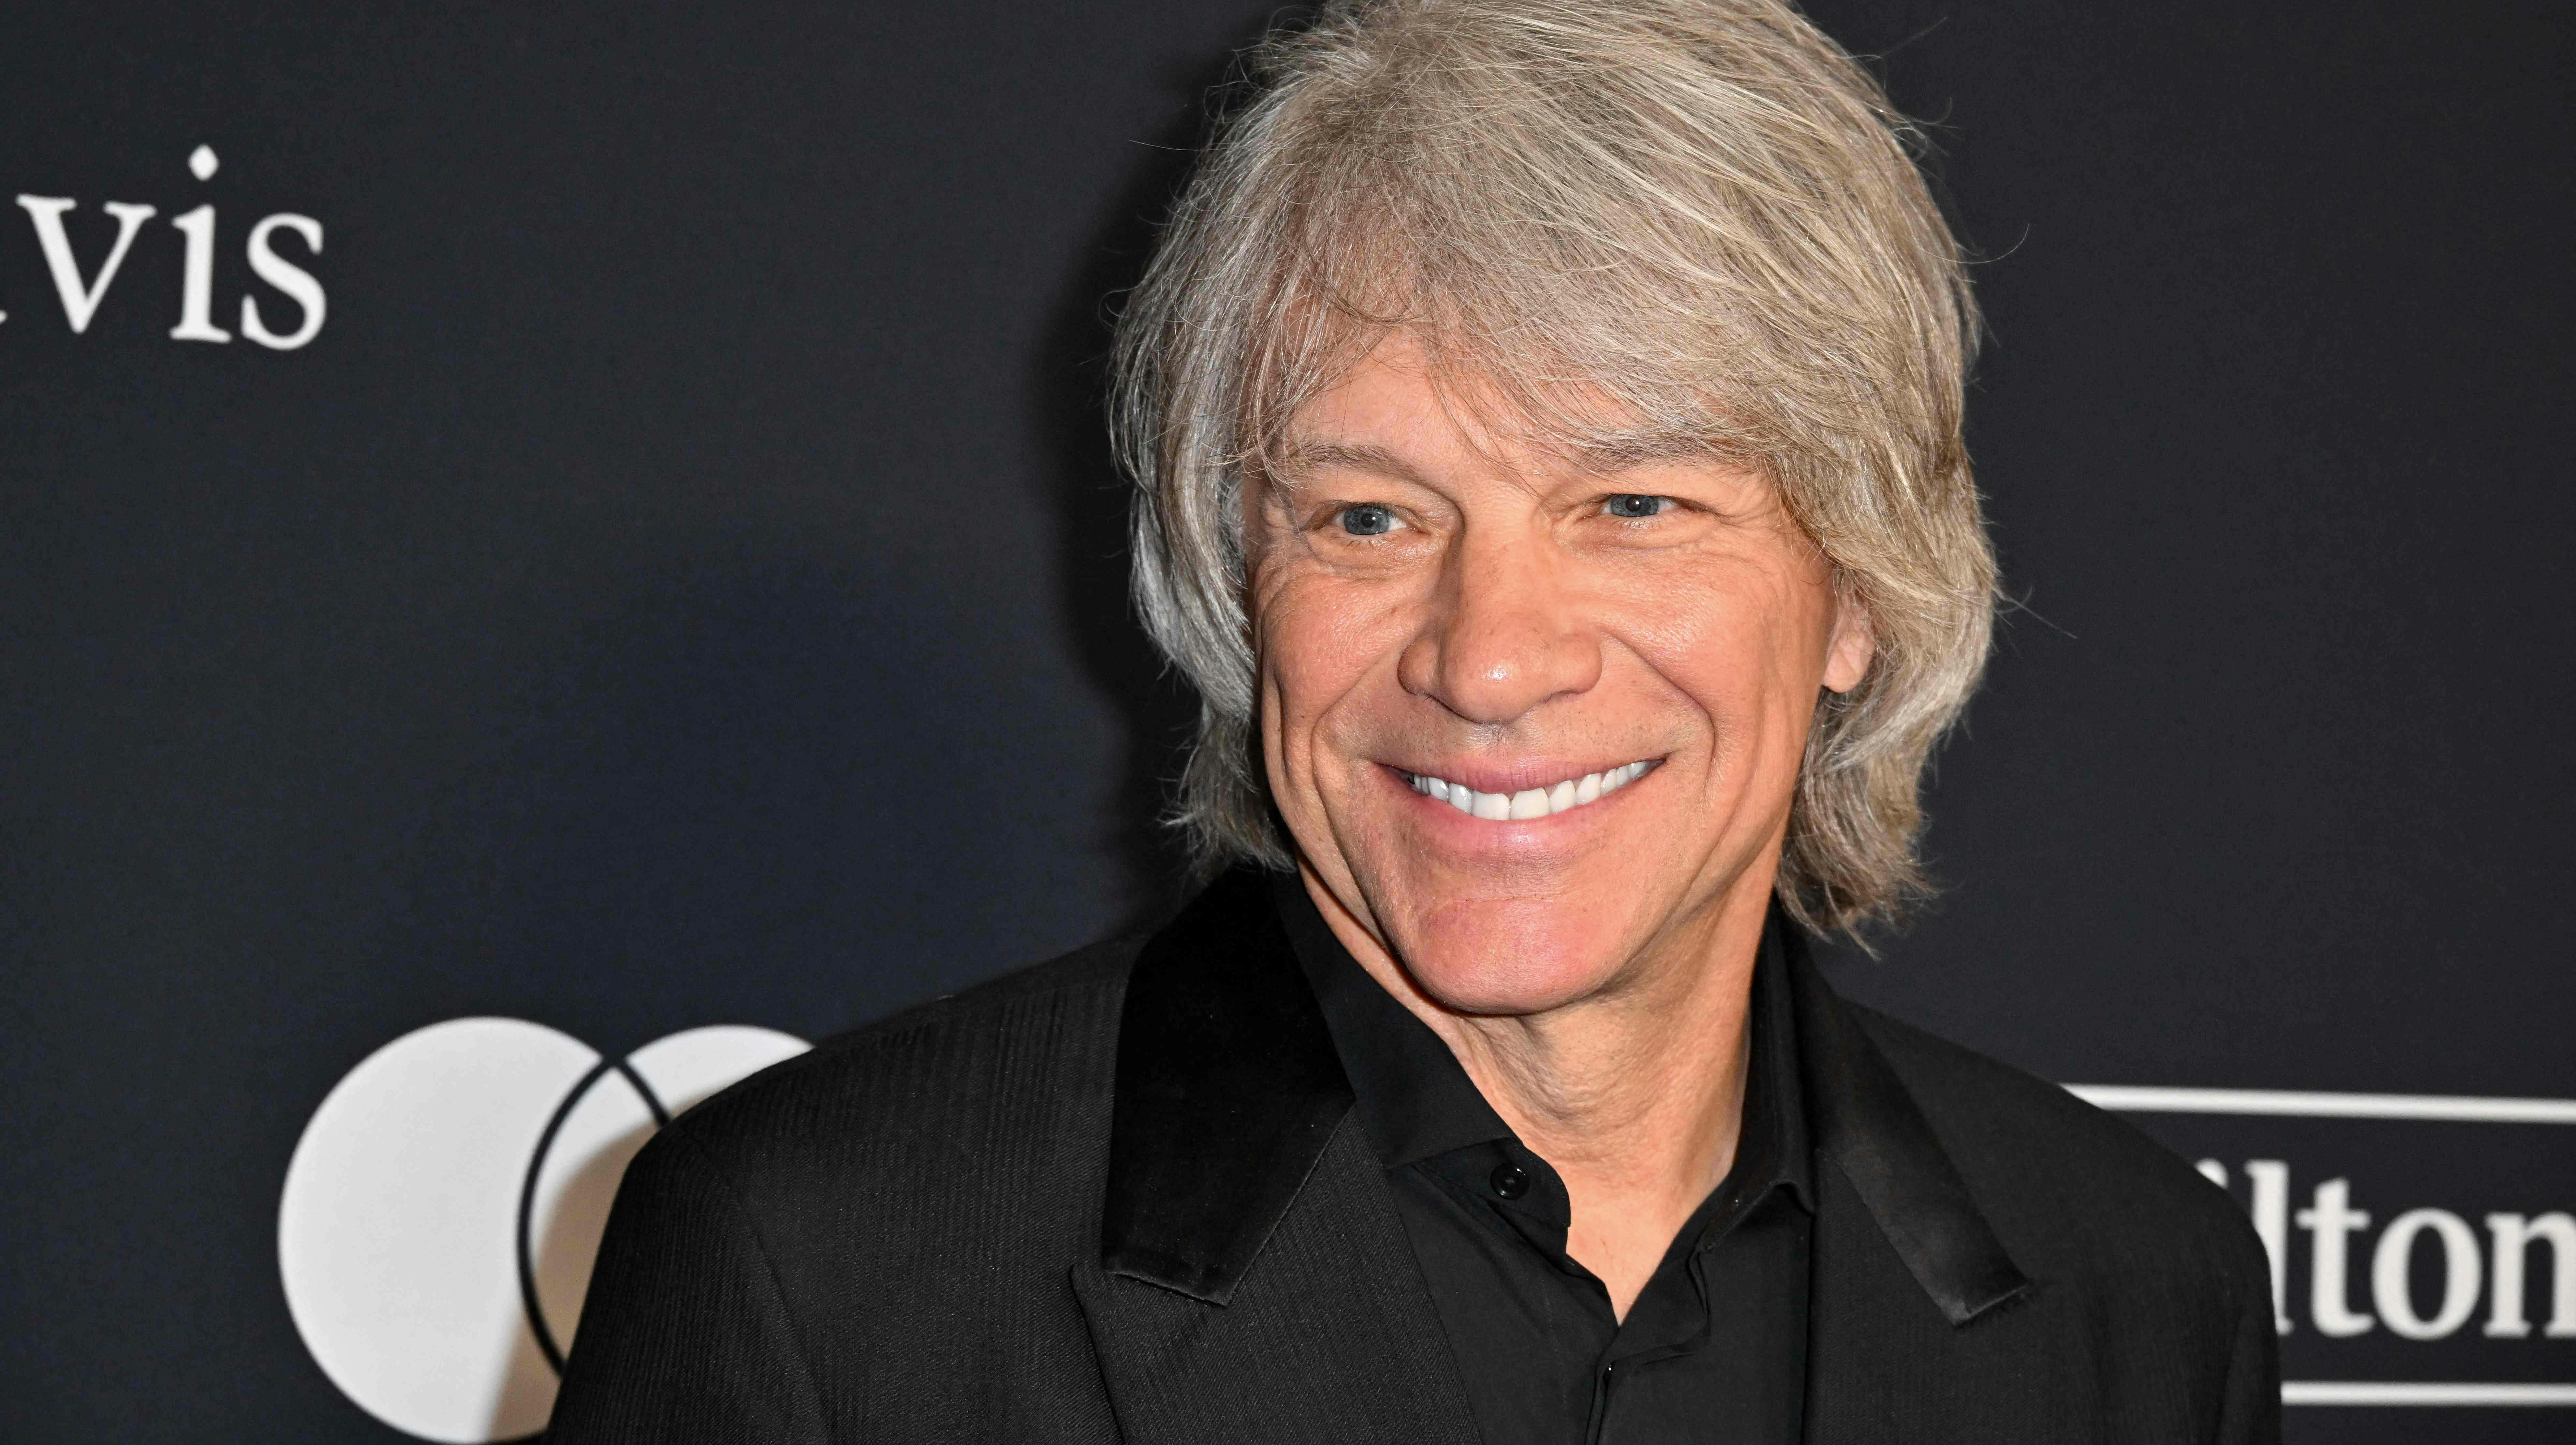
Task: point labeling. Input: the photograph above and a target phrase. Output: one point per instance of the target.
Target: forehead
(1397, 407)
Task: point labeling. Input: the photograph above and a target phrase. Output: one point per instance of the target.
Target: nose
(1504, 635)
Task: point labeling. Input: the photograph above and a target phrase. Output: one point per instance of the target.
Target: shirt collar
(1417, 1103)
(1414, 1099)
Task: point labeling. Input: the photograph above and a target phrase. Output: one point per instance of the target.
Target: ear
(1848, 652)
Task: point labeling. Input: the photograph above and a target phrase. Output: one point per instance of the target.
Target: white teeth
(1529, 803)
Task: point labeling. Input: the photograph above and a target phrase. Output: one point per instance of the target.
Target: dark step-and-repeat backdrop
(550, 554)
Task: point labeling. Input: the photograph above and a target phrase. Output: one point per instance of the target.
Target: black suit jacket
(1120, 1197)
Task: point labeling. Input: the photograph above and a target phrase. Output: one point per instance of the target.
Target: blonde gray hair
(1702, 210)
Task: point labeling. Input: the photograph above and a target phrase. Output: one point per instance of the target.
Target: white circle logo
(443, 1208)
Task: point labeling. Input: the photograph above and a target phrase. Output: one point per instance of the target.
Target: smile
(1529, 802)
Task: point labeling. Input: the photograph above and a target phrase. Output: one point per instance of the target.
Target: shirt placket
(1625, 1355)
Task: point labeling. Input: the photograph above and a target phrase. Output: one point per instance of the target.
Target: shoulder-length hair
(1701, 210)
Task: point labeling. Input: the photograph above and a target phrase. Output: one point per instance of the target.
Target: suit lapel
(1254, 1282)
(1907, 1281)
(1868, 1126)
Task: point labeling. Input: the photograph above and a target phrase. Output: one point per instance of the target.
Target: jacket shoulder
(881, 1217)
(895, 1097)
(2073, 1190)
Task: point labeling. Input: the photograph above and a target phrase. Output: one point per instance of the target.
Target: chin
(1502, 957)
(1502, 918)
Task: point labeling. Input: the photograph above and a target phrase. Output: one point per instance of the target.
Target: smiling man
(1541, 715)
(1547, 425)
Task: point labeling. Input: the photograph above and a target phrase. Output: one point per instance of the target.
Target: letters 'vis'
(84, 289)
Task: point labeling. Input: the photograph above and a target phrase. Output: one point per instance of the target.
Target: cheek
(1744, 643)
(1321, 639)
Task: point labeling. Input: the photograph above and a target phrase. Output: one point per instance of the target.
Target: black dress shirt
(1713, 1349)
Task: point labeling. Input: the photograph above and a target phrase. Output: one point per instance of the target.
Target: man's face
(1608, 666)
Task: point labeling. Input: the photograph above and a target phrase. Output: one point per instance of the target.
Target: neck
(1617, 1090)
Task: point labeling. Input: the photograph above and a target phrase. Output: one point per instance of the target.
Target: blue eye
(1635, 506)
(1368, 519)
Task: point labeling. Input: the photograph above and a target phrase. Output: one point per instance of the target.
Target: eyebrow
(1601, 456)
(1297, 457)
(1625, 452)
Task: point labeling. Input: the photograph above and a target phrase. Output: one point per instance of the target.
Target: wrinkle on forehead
(1578, 429)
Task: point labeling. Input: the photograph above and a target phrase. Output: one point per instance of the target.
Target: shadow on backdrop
(1068, 385)
(740, 761)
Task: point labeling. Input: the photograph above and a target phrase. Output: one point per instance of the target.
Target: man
(1547, 419)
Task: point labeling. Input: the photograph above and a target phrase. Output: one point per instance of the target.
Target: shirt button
(1510, 1181)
